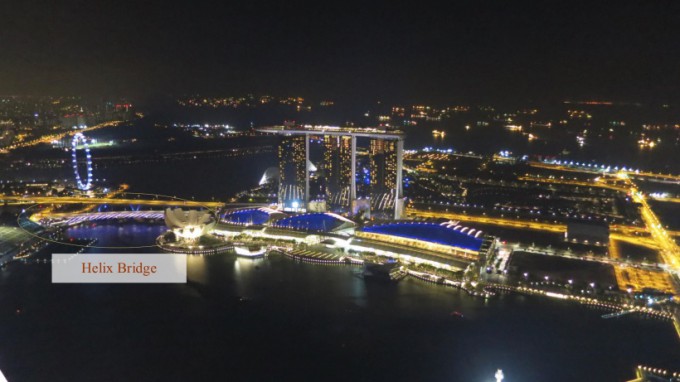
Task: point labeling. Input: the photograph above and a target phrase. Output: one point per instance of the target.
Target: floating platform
(318, 257)
(251, 251)
(618, 314)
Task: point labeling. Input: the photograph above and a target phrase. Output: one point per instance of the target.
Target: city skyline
(571, 204)
(339, 191)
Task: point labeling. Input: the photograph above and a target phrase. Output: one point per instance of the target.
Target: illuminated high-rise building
(383, 165)
(337, 163)
(292, 162)
(340, 164)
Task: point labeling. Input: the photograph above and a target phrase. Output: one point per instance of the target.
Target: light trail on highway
(669, 250)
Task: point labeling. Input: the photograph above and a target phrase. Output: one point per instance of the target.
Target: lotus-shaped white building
(189, 225)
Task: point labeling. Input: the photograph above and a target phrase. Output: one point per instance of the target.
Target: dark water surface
(302, 322)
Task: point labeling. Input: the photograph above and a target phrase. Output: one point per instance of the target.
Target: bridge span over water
(71, 218)
(106, 200)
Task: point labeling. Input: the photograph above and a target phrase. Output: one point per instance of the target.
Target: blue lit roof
(257, 216)
(325, 222)
(446, 234)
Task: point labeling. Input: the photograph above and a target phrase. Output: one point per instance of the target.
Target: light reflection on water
(338, 323)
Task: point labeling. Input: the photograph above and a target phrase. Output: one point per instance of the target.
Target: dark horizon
(474, 51)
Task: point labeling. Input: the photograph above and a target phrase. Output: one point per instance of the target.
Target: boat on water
(457, 314)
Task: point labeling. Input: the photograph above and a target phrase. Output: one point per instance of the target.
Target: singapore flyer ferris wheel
(79, 137)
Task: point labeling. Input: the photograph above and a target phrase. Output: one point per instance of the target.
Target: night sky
(473, 50)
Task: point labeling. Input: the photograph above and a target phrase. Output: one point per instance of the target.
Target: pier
(618, 314)
(318, 257)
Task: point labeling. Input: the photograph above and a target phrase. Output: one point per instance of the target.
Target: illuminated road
(570, 255)
(558, 167)
(614, 252)
(635, 276)
(596, 170)
(641, 241)
(621, 233)
(669, 249)
(674, 178)
(599, 184)
(668, 200)
(512, 223)
(45, 211)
